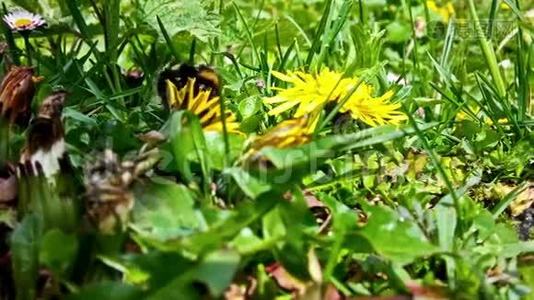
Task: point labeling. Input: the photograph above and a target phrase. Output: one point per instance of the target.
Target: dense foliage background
(154, 207)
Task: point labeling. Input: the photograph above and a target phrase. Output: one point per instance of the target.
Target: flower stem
(4, 146)
(488, 51)
(28, 47)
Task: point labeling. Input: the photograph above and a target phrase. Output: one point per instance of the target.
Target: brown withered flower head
(45, 143)
(108, 184)
(16, 94)
(52, 106)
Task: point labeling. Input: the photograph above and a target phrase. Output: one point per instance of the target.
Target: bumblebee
(196, 89)
(205, 78)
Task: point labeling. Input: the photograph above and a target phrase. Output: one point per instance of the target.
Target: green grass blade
(168, 40)
(487, 49)
(319, 33)
(507, 200)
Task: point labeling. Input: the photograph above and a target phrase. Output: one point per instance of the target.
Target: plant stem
(4, 146)
(28, 47)
(362, 17)
(488, 51)
(225, 130)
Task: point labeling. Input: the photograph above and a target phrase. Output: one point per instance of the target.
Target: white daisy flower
(22, 20)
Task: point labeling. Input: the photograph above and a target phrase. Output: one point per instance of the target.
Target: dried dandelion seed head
(108, 184)
(108, 199)
(52, 106)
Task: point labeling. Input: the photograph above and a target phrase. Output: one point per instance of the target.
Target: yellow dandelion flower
(309, 91)
(288, 133)
(461, 116)
(202, 104)
(373, 111)
(500, 121)
(445, 11)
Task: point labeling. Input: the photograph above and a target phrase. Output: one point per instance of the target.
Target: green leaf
(165, 210)
(173, 277)
(190, 16)
(273, 225)
(398, 32)
(247, 241)
(132, 274)
(507, 250)
(107, 291)
(217, 270)
(249, 106)
(58, 250)
(187, 143)
(78, 116)
(8, 217)
(446, 222)
(446, 219)
(527, 272)
(223, 231)
(394, 237)
(74, 8)
(25, 256)
(250, 185)
(216, 148)
(161, 267)
(328, 147)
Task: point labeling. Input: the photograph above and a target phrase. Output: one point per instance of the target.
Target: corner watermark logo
(466, 29)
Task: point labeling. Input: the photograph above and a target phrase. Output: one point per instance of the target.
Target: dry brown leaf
(285, 280)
